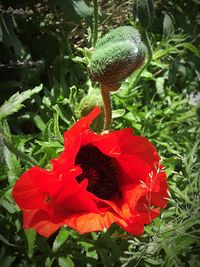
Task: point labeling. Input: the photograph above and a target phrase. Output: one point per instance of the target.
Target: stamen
(99, 169)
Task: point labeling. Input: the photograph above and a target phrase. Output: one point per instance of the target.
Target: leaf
(118, 113)
(25, 157)
(65, 262)
(90, 249)
(146, 74)
(30, 237)
(194, 261)
(154, 262)
(10, 38)
(168, 26)
(1, 33)
(75, 9)
(191, 47)
(82, 9)
(61, 115)
(160, 85)
(184, 242)
(56, 127)
(42, 245)
(7, 261)
(10, 207)
(6, 242)
(60, 239)
(15, 102)
(39, 122)
(12, 164)
(49, 261)
(10, 159)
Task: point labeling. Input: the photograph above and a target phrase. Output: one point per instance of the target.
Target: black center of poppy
(100, 171)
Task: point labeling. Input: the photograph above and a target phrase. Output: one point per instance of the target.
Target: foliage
(49, 43)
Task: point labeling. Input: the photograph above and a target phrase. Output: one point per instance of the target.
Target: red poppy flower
(98, 180)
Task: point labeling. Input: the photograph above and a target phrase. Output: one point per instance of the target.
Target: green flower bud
(87, 104)
(117, 55)
(144, 11)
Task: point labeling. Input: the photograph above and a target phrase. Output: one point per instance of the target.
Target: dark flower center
(99, 169)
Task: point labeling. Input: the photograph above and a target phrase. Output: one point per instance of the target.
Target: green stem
(150, 56)
(107, 107)
(96, 22)
(18, 153)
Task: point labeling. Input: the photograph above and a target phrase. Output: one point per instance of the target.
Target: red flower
(98, 180)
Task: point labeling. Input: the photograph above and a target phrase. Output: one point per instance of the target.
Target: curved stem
(107, 107)
(96, 21)
(150, 56)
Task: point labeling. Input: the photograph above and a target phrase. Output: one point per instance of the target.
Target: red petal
(107, 144)
(137, 156)
(132, 169)
(160, 194)
(79, 201)
(37, 221)
(73, 139)
(137, 145)
(133, 228)
(148, 216)
(132, 195)
(27, 194)
(81, 125)
(90, 222)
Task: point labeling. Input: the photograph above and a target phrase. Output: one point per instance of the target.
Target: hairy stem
(107, 107)
(96, 22)
(150, 56)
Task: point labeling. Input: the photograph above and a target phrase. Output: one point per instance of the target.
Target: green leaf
(65, 262)
(12, 164)
(148, 75)
(30, 237)
(10, 38)
(11, 161)
(7, 261)
(56, 127)
(60, 239)
(1, 33)
(42, 245)
(154, 262)
(183, 242)
(25, 157)
(144, 10)
(75, 9)
(168, 26)
(191, 47)
(118, 113)
(39, 122)
(49, 261)
(194, 261)
(6, 242)
(160, 85)
(15, 102)
(10, 207)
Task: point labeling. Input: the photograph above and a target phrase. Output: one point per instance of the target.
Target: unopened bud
(91, 100)
(117, 55)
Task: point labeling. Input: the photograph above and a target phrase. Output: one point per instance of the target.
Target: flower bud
(144, 11)
(87, 104)
(117, 55)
